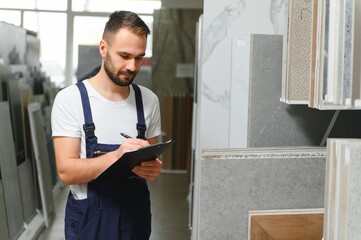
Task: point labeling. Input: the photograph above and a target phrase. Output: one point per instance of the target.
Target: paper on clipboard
(125, 164)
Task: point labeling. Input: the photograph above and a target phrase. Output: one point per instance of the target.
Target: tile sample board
(42, 161)
(14, 99)
(4, 233)
(343, 189)
(27, 188)
(236, 181)
(272, 123)
(290, 224)
(9, 174)
(297, 78)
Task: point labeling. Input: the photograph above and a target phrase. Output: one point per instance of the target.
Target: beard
(115, 76)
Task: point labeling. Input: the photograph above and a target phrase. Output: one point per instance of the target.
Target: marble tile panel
(236, 181)
(224, 82)
(9, 174)
(239, 91)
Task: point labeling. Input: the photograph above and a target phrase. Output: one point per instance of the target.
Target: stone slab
(42, 161)
(27, 188)
(236, 181)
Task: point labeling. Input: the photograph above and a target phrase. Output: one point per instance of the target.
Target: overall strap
(141, 126)
(88, 126)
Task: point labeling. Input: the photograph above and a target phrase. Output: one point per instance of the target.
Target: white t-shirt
(110, 119)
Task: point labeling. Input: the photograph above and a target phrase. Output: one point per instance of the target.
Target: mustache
(126, 72)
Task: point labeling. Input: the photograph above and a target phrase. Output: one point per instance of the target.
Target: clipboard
(124, 165)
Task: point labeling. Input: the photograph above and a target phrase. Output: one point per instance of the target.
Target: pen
(125, 135)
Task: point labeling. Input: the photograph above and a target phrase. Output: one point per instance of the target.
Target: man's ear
(103, 48)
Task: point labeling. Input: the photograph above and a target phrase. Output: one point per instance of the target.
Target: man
(87, 119)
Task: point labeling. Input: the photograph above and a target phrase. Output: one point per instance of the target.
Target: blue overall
(115, 208)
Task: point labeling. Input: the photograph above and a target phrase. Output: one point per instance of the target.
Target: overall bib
(115, 208)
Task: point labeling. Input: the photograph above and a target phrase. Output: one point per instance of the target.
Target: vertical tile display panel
(27, 187)
(348, 45)
(49, 143)
(343, 194)
(265, 80)
(25, 94)
(299, 51)
(356, 69)
(354, 155)
(9, 174)
(239, 93)
(16, 117)
(4, 233)
(335, 53)
(26, 171)
(311, 102)
(42, 161)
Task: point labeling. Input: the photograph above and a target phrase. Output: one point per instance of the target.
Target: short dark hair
(124, 19)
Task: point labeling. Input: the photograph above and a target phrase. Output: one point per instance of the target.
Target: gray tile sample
(27, 188)
(9, 174)
(42, 161)
(272, 123)
(356, 70)
(16, 116)
(347, 51)
(4, 233)
(354, 218)
(235, 181)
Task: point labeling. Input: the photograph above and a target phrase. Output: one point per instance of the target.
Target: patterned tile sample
(299, 51)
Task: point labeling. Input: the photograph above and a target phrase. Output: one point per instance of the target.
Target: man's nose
(131, 65)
